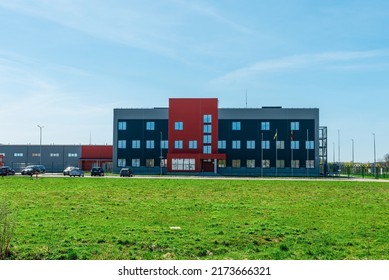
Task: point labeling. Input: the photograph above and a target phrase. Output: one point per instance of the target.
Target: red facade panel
(192, 120)
(95, 155)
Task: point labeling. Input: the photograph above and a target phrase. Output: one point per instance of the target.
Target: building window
(221, 163)
(236, 163)
(150, 162)
(36, 154)
(178, 144)
(280, 163)
(295, 145)
(121, 162)
(250, 163)
(207, 139)
(235, 125)
(150, 125)
(18, 154)
(122, 144)
(251, 144)
(136, 144)
(310, 164)
(207, 150)
(207, 128)
(266, 163)
(221, 144)
(164, 144)
(309, 145)
(150, 144)
(294, 126)
(265, 125)
(193, 144)
(207, 118)
(163, 162)
(135, 162)
(54, 155)
(122, 125)
(183, 164)
(295, 164)
(236, 144)
(178, 126)
(280, 145)
(72, 155)
(265, 145)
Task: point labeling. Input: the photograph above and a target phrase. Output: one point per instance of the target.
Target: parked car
(67, 170)
(33, 169)
(6, 170)
(126, 172)
(76, 172)
(97, 171)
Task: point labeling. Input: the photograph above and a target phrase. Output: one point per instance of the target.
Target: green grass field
(132, 218)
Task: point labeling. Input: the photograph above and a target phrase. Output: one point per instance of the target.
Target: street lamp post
(352, 150)
(40, 143)
(375, 159)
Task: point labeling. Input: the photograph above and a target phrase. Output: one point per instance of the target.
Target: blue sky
(65, 64)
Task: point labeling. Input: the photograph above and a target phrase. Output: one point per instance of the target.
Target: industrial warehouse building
(194, 136)
(56, 157)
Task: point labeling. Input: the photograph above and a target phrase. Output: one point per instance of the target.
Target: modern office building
(194, 136)
(56, 157)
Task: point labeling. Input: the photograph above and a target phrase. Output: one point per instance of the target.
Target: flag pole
(276, 152)
(262, 155)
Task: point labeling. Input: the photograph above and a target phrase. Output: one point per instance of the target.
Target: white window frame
(207, 149)
(122, 144)
(265, 125)
(135, 162)
(265, 144)
(236, 144)
(295, 145)
(193, 144)
(121, 162)
(135, 144)
(236, 126)
(178, 126)
(207, 139)
(150, 125)
(149, 144)
(295, 126)
(250, 144)
(222, 144)
(310, 145)
(122, 125)
(164, 144)
(178, 144)
(207, 118)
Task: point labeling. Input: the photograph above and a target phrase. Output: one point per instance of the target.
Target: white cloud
(253, 71)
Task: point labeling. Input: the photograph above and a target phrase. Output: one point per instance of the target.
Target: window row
(135, 162)
(251, 163)
(122, 125)
(38, 154)
(280, 145)
(266, 125)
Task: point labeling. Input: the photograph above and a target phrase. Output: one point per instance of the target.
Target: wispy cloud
(296, 62)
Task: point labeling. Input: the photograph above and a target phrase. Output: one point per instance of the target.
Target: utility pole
(40, 143)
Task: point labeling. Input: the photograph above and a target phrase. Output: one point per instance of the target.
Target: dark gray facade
(269, 141)
(54, 157)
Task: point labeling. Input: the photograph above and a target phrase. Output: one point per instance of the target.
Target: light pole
(375, 168)
(352, 150)
(40, 143)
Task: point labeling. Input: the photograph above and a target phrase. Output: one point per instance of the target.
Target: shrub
(7, 226)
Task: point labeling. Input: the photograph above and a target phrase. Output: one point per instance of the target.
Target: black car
(97, 171)
(6, 170)
(126, 172)
(33, 169)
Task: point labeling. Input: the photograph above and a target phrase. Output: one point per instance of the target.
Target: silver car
(76, 172)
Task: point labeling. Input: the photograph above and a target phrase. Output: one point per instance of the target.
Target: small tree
(7, 226)
(386, 159)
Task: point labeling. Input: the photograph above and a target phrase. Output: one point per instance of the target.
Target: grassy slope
(71, 218)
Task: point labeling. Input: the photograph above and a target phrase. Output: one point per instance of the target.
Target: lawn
(132, 218)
